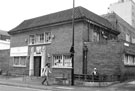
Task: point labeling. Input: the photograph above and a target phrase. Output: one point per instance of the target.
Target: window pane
(47, 36)
(67, 61)
(22, 60)
(95, 35)
(133, 40)
(16, 61)
(58, 61)
(128, 37)
(31, 39)
(40, 38)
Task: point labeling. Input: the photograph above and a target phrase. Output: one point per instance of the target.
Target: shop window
(19, 61)
(62, 61)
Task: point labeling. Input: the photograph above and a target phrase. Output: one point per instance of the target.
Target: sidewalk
(35, 82)
(27, 82)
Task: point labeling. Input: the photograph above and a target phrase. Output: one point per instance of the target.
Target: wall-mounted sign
(19, 51)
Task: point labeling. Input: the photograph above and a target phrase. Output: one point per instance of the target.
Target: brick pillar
(43, 62)
(31, 63)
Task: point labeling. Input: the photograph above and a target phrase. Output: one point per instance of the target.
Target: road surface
(13, 88)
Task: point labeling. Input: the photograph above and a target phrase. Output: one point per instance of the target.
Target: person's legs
(44, 80)
(47, 80)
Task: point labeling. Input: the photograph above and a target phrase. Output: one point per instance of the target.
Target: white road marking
(65, 88)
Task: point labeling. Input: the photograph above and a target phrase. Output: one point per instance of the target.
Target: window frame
(63, 61)
(127, 60)
(19, 61)
(40, 38)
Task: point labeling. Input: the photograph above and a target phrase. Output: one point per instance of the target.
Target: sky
(13, 12)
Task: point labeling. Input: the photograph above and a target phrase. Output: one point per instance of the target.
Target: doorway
(37, 65)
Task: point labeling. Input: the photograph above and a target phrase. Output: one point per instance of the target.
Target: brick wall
(60, 44)
(106, 57)
(4, 60)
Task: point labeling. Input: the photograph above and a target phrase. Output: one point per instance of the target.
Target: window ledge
(40, 43)
(129, 65)
(19, 65)
(61, 67)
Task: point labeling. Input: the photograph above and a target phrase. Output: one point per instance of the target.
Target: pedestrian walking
(46, 71)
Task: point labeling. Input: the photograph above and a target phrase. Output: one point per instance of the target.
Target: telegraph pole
(72, 47)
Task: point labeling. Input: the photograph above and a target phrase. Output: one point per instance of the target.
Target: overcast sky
(13, 12)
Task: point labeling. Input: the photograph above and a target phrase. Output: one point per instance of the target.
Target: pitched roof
(4, 33)
(113, 18)
(61, 16)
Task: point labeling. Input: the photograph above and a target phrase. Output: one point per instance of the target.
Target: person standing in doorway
(46, 71)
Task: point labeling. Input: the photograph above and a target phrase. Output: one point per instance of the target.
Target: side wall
(4, 60)
(107, 58)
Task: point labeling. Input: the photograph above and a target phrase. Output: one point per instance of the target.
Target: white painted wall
(4, 45)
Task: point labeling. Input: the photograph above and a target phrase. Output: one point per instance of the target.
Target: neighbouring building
(4, 40)
(127, 38)
(4, 50)
(125, 9)
(48, 39)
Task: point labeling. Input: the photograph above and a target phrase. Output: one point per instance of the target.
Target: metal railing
(99, 78)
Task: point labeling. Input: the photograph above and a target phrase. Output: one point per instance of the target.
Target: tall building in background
(125, 9)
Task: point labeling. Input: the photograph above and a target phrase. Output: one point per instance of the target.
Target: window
(19, 61)
(112, 37)
(104, 35)
(129, 59)
(40, 38)
(133, 39)
(62, 61)
(47, 36)
(95, 36)
(128, 37)
(101, 34)
(31, 39)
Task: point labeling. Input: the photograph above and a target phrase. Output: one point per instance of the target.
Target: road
(13, 88)
(124, 87)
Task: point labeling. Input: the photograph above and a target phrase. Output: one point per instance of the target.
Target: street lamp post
(72, 47)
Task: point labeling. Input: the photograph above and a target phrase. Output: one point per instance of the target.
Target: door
(37, 65)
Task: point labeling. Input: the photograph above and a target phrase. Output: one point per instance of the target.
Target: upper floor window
(101, 34)
(48, 37)
(31, 39)
(40, 38)
(104, 35)
(128, 37)
(133, 39)
(95, 35)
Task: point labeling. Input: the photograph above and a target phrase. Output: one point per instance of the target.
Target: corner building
(48, 39)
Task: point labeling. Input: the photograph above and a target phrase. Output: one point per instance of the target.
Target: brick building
(4, 50)
(127, 39)
(48, 39)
